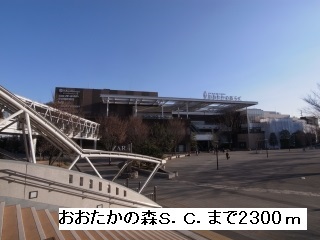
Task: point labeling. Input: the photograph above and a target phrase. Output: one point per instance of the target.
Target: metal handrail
(16, 104)
(55, 183)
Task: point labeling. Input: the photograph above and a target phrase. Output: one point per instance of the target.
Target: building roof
(181, 105)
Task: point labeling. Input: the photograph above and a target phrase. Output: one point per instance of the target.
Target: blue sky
(263, 50)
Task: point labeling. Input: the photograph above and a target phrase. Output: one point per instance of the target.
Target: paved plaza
(248, 180)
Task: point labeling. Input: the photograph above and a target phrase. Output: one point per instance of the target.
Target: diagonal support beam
(57, 158)
(74, 162)
(122, 169)
(31, 146)
(8, 125)
(25, 141)
(93, 167)
(4, 121)
(150, 177)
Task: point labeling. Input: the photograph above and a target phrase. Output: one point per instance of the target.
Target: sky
(266, 51)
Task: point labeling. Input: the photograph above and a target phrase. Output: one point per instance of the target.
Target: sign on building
(220, 96)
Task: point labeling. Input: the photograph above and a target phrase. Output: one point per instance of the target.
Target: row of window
(100, 185)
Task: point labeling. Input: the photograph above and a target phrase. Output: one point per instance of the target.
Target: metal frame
(72, 125)
(34, 122)
(180, 106)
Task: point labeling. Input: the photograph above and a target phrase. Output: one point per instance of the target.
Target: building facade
(261, 124)
(216, 119)
(213, 120)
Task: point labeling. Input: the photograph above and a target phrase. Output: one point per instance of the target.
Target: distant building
(262, 123)
(215, 119)
(311, 120)
(202, 116)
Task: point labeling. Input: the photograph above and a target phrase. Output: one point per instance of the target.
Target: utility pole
(266, 146)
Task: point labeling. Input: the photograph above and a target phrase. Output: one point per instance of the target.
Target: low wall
(61, 187)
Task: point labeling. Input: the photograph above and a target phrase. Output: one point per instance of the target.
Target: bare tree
(193, 142)
(313, 101)
(137, 132)
(45, 147)
(176, 129)
(113, 131)
(42, 146)
(310, 139)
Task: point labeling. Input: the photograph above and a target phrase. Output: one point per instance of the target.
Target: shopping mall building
(216, 114)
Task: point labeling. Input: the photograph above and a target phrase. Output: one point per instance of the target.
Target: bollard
(139, 186)
(155, 193)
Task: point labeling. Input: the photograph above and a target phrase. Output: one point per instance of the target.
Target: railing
(71, 125)
(22, 178)
(13, 103)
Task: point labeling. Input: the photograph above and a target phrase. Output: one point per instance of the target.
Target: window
(70, 178)
(81, 181)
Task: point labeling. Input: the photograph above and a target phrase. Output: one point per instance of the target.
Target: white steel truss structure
(25, 113)
(72, 125)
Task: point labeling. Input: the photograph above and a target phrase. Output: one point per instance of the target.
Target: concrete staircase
(18, 223)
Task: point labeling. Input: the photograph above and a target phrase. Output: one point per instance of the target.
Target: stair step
(29, 223)
(117, 234)
(54, 225)
(145, 235)
(88, 234)
(162, 235)
(20, 223)
(95, 235)
(109, 235)
(82, 235)
(175, 235)
(46, 225)
(128, 235)
(66, 233)
(203, 235)
(211, 235)
(138, 235)
(10, 225)
(38, 224)
(102, 236)
(2, 204)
